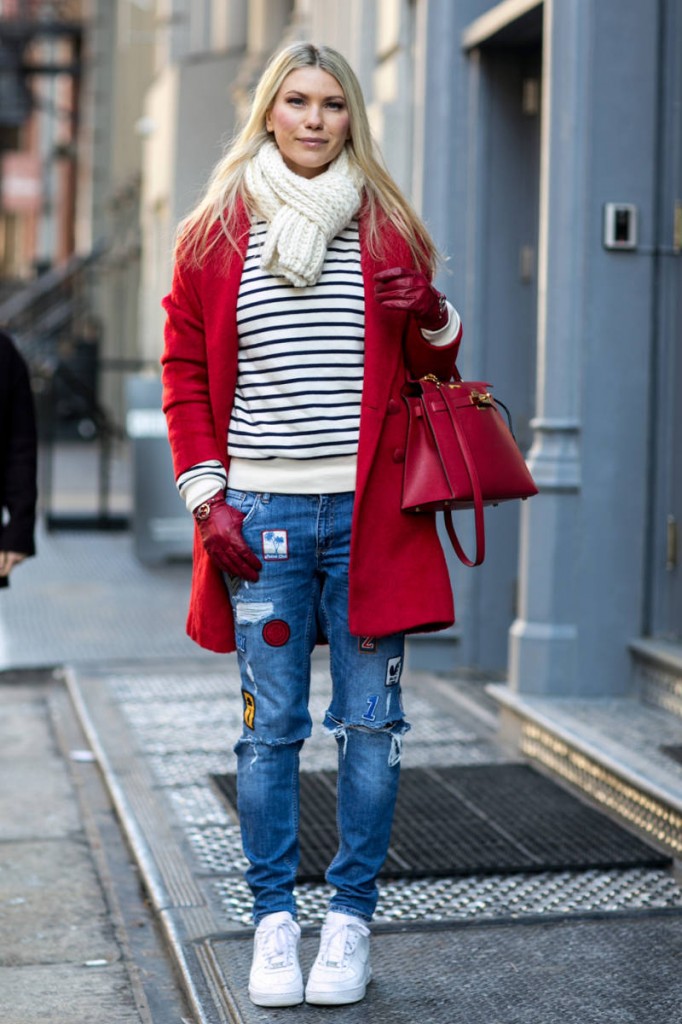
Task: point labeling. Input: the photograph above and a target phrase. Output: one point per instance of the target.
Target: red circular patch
(276, 633)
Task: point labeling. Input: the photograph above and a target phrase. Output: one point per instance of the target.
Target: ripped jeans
(303, 542)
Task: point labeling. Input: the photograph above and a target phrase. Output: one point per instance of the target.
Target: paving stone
(68, 994)
(51, 907)
(23, 728)
(35, 798)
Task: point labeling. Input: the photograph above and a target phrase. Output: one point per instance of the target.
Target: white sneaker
(341, 971)
(275, 978)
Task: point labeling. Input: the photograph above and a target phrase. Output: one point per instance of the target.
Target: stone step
(618, 752)
(657, 669)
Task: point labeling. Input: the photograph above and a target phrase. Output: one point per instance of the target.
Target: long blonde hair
(383, 199)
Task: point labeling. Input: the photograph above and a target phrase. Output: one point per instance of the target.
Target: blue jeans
(303, 542)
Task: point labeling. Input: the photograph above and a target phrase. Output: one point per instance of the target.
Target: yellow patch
(249, 709)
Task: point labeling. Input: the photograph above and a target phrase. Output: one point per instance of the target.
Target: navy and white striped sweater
(301, 358)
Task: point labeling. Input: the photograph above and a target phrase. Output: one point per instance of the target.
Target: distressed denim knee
(396, 731)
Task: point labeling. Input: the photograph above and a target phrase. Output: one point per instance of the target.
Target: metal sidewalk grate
(472, 820)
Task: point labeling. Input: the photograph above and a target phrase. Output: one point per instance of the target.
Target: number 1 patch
(371, 712)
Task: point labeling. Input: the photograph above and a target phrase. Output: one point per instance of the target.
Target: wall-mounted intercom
(620, 226)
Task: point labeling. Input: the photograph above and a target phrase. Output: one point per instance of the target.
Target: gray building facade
(543, 122)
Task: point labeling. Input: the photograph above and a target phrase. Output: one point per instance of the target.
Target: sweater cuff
(201, 482)
(446, 334)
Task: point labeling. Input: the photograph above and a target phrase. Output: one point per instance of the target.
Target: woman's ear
(268, 121)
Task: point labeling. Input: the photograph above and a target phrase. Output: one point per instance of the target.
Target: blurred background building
(542, 143)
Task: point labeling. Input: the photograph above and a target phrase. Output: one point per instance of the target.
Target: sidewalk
(77, 942)
(134, 722)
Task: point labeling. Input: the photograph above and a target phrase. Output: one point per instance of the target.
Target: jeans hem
(257, 918)
(338, 908)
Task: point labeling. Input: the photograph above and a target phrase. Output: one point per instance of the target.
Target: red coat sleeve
(186, 396)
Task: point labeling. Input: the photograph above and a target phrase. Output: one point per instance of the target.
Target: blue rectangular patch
(275, 545)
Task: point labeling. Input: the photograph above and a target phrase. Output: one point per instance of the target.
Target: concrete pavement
(70, 902)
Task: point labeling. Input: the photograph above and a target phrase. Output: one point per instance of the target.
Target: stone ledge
(574, 739)
(657, 669)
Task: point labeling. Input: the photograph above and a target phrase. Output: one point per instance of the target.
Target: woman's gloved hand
(401, 288)
(220, 528)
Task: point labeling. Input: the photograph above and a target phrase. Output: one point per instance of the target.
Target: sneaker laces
(338, 941)
(277, 944)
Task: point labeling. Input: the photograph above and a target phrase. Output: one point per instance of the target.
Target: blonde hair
(383, 199)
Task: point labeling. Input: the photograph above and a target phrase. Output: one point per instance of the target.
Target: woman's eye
(335, 105)
(295, 101)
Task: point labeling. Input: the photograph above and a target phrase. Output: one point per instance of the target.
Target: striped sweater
(296, 414)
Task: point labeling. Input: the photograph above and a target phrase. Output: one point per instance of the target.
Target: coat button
(399, 455)
(393, 407)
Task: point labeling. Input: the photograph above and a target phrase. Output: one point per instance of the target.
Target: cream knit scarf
(303, 214)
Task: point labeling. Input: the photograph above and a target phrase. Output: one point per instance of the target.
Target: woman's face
(309, 120)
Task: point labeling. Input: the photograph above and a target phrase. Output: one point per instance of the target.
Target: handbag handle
(479, 520)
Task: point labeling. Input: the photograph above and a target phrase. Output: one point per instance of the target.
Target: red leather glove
(399, 288)
(219, 526)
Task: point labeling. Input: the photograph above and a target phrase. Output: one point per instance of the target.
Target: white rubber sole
(275, 998)
(338, 997)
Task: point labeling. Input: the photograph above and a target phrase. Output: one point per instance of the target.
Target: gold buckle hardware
(480, 398)
(203, 512)
(432, 379)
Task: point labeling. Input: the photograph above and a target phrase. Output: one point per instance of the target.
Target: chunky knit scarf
(303, 214)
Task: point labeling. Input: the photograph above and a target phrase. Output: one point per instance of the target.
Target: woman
(301, 295)
(17, 460)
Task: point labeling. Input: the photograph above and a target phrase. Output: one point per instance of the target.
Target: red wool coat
(398, 576)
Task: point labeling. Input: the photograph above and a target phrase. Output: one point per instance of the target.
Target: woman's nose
(314, 118)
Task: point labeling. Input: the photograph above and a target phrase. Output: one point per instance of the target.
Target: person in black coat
(18, 460)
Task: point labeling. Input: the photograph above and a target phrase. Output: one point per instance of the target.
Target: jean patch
(249, 709)
(371, 712)
(394, 668)
(276, 633)
(275, 545)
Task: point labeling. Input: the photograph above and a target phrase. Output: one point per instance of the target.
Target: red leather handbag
(460, 454)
